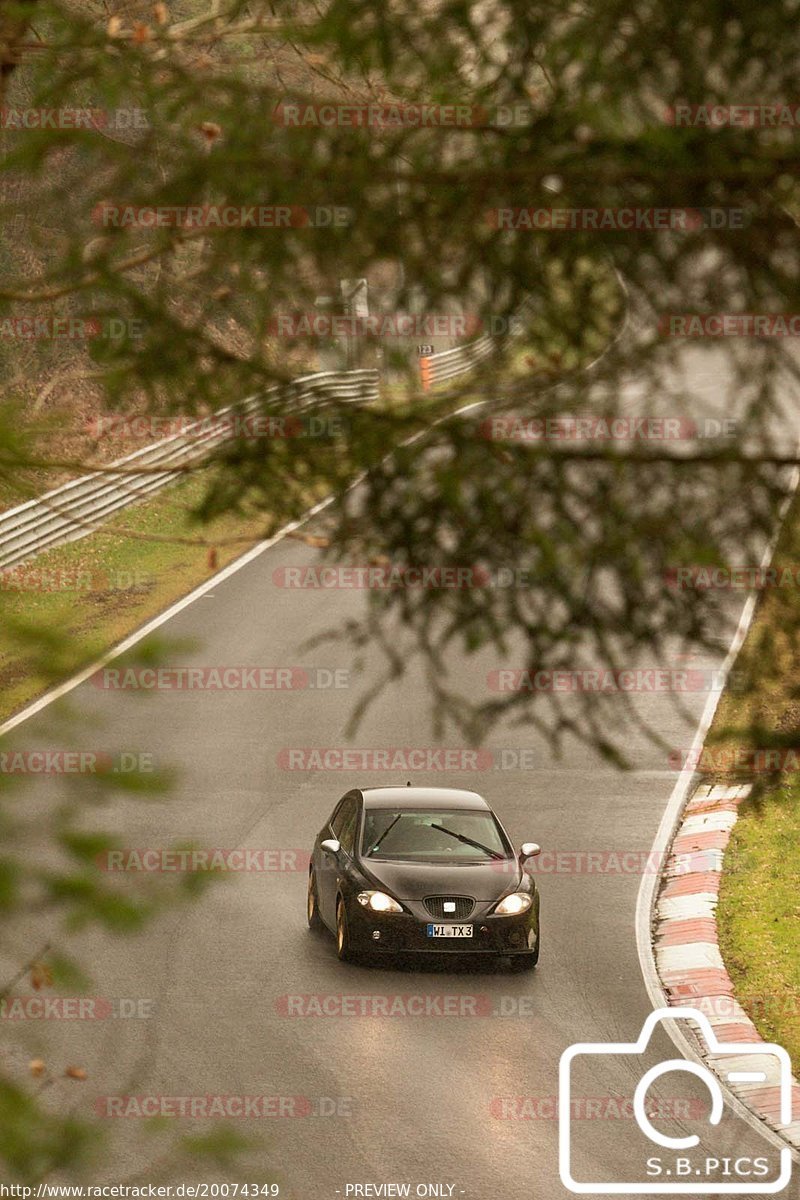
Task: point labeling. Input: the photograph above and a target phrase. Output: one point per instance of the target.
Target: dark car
(422, 870)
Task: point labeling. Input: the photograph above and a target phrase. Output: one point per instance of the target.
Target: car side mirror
(529, 850)
(330, 845)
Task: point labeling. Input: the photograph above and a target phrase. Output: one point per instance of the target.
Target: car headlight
(378, 902)
(513, 905)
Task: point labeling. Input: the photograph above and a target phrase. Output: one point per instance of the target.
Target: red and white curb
(687, 954)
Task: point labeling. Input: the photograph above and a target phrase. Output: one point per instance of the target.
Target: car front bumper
(406, 932)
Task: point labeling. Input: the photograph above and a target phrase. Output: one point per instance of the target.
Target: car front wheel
(343, 947)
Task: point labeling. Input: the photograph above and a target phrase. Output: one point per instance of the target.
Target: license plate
(449, 931)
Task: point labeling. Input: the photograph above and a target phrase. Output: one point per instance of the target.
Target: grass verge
(98, 590)
(755, 737)
(759, 915)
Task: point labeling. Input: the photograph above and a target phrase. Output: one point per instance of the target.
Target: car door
(341, 827)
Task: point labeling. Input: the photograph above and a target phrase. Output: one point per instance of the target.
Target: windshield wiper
(469, 841)
(388, 828)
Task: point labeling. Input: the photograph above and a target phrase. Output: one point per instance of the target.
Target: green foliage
(182, 321)
(197, 306)
(31, 1142)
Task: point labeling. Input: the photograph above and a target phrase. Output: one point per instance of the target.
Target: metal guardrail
(76, 509)
(449, 364)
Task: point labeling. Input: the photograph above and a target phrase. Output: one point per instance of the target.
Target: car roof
(402, 796)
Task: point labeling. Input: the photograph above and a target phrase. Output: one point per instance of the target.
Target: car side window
(347, 831)
(340, 816)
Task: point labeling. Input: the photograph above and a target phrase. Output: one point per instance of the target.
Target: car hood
(415, 881)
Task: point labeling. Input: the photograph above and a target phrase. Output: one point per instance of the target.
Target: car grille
(435, 906)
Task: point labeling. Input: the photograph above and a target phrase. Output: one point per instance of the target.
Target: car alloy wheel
(342, 933)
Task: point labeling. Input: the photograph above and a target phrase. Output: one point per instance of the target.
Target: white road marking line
(201, 591)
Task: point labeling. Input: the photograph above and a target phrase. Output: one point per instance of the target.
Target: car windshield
(432, 835)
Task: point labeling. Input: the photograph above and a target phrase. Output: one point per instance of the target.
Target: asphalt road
(462, 1096)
